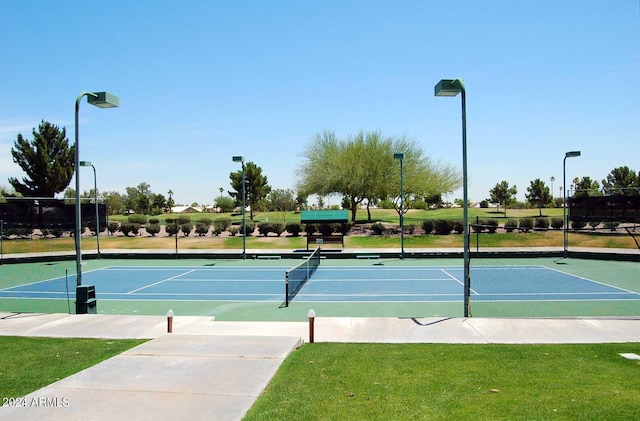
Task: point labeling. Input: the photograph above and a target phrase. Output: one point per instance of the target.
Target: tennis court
(255, 290)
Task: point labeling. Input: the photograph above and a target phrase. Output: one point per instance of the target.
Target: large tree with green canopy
(47, 160)
(256, 184)
(362, 167)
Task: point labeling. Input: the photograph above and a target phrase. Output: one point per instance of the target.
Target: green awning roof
(324, 216)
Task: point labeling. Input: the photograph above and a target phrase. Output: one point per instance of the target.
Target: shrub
(222, 224)
(56, 232)
(410, 228)
(525, 224)
(171, 228)
(264, 228)
(490, 224)
(385, 204)
(510, 225)
(477, 227)
(345, 227)
(113, 227)
(593, 225)
(557, 223)
(278, 228)
(233, 231)
(129, 227)
(311, 228)
(216, 231)
(136, 218)
(202, 228)
(377, 228)
(613, 225)
(186, 228)
(152, 228)
(576, 225)
(250, 228)
(427, 226)
(184, 219)
(327, 229)
(541, 223)
(294, 228)
(457, 227)
(154, 221)
(442, 226)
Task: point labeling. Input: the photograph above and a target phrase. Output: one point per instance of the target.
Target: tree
(423, 178)
(256, 186)
(362, 167)
(158, 203)
(621, 180)
(47, 160)
(281, 200)
(538, 193)
(225, 203)
(170, 202)
(503, 194)
(138, 199)
(586, 187)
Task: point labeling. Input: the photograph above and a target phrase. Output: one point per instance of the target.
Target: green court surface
(253, 290)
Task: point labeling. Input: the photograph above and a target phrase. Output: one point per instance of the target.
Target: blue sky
(201, 81)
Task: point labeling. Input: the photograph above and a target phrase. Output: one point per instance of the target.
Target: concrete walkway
(212, 370)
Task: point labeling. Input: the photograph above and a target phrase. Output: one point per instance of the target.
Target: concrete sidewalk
(216, 370)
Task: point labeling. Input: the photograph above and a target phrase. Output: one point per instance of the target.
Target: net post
(286, 289)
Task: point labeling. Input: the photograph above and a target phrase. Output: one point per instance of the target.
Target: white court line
(595, 282)
(160, 282)
(458, 281)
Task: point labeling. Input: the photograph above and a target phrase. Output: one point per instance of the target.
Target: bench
(325, 239)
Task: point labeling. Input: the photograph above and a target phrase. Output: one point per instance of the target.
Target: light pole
(244, 206)
(100, 100)
(400, 156)
(452, 87)
(570, 154)
(95, 191)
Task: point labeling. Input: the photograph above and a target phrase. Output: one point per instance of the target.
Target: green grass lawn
(328, 381)
(29, 364)
(550, 238)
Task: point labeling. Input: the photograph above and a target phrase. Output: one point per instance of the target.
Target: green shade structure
(450, 88)
(240, 159)
(101, 100)
(570, 154)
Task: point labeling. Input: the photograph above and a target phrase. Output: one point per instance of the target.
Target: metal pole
(401, 210)
(465, 201)
(95, 189)
(564, 206)
(244, 212)
(78, 210)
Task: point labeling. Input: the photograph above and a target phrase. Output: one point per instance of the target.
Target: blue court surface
(329, 284)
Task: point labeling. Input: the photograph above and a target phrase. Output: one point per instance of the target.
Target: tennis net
(298, 275)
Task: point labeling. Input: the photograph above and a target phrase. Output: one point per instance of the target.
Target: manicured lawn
(29, 364)
(550, 238)
(328, 381)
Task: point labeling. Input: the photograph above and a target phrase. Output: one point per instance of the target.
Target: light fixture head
(103, 100)
(447, 87)
(571, 154)
(238, 159)
(398, 156)
(85, 163)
